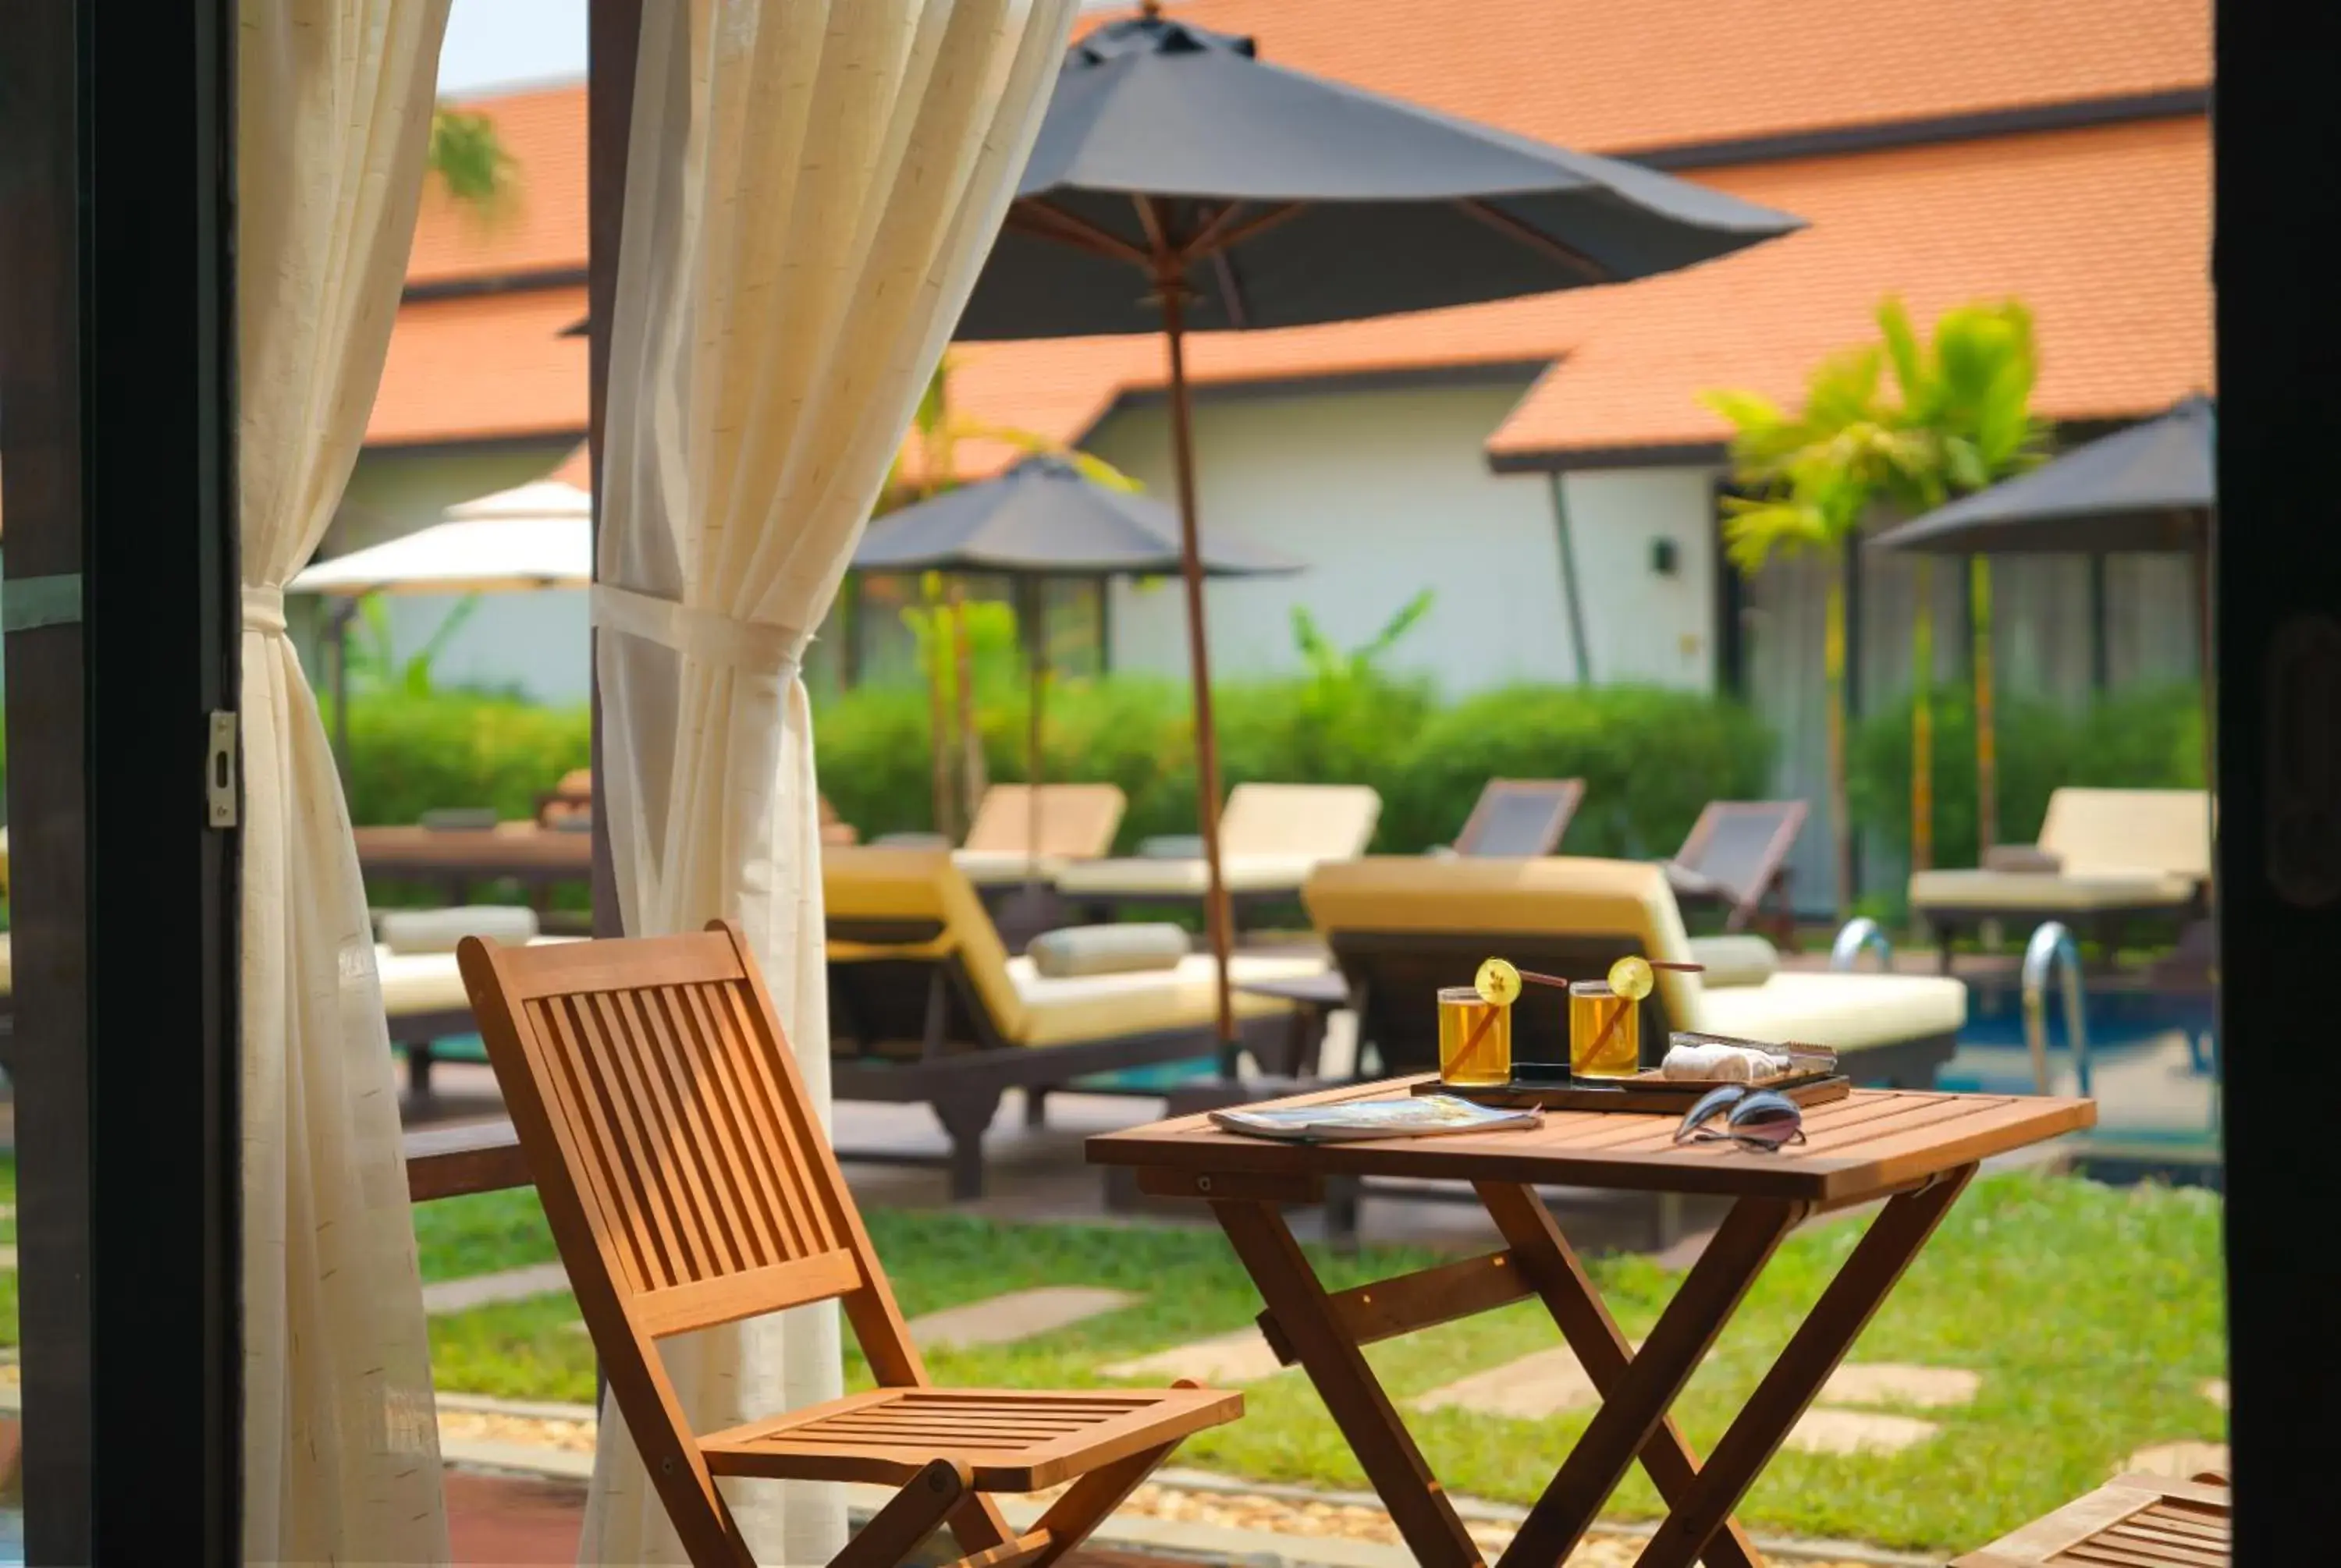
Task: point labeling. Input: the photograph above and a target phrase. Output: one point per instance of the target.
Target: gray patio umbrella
(2147, 488)
(1041, 520)
(1237, 194)
(2150, 488)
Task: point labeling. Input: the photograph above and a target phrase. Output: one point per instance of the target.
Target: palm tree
(1965, 423)
(1809, 478)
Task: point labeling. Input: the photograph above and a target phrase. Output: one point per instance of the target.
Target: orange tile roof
(539, 225)
(481, 368)
(1601, 77)
(2104, 231)
(2104, 234)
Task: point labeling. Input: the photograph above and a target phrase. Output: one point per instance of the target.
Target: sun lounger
(1272, 836)
(1736, 858)
(2134, 1521)
(1400, 926)
(1516, 817)
(926, 1006)
(2105, 857)
(1078, 822)
(688, 1182)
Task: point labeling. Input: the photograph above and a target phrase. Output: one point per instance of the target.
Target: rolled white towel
(1720, 1064)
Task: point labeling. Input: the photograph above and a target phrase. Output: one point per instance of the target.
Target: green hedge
(1650, 758)
(2151, 738)
(413, 754)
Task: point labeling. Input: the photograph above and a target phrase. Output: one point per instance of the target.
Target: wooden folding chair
(688, 1184)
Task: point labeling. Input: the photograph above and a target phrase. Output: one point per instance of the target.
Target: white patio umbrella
(537, 536)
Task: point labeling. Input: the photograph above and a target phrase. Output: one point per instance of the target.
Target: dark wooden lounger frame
(2108, 928)
(914, 1030)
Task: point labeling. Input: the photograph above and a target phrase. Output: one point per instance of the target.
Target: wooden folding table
(1915, 1150)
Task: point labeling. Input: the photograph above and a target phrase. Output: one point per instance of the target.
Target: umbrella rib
(1223, 266)
(1535, 239)
(1036, 217)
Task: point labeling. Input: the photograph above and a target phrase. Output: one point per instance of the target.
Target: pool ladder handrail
(2051, 949)
(1853, 937)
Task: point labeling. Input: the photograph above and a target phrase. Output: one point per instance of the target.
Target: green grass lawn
(2092, 1315)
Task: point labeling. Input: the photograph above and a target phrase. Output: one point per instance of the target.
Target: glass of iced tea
(1475, 1039)
(1605, 1032)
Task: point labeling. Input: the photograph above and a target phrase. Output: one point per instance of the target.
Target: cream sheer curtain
(810, 190)
(340, 1443)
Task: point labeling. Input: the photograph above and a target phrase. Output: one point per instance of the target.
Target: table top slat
(1870, 1142)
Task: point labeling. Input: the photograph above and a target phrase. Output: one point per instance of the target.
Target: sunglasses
(1761, 1120)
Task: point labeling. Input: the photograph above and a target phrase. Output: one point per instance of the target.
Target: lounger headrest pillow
(438, 930)
(2023, 859)
(1742, 960)
(1107, 949)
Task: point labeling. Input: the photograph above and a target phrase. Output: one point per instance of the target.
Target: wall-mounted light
(1664, 557)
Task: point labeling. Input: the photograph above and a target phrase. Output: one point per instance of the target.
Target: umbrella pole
(1216, 913)
(1037, 651)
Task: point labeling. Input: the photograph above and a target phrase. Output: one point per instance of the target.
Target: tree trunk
(1986, 741)
(1833, 665)
(946, 818)
(974, 776)
(1922, 718)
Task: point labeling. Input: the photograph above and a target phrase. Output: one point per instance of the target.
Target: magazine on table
(1415, 1117)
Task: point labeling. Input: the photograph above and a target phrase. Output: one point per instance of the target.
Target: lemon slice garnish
(1498, 983)
(1632, 978)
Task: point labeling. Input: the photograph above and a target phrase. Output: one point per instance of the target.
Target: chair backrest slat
(677, 1121)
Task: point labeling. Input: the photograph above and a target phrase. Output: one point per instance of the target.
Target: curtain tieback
(754, 646)
(263, 609)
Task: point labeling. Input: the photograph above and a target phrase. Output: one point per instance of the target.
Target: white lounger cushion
(1844, 1012)
(2048, 892)
(1099, 1007)
(415, 983)
(1000, 867)
(439, 931)
(1272, 836)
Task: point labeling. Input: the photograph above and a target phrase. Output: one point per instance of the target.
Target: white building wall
(1642, 624)
(1382, 492)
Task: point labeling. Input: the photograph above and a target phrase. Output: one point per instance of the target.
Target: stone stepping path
(2215, 1391)
(1243, 1356)
(1552, 1381)
(2179, 1459)
(1018, 1314)
(487, 1289)
(1819, 1430)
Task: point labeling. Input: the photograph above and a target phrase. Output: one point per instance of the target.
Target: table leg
(1635, 1407)
(1813, 1353)
(1352, 1395)
(1548, 1262)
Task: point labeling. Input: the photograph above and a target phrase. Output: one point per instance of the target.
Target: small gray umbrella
(1041, 520)
(2147, 488)
(2151, 488)
(1180, 181)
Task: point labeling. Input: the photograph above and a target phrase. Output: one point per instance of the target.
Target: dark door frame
(2277, 127)
(117, 379)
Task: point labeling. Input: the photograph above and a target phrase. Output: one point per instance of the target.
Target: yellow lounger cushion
(1270, 835)
(1566, 896)
(868, 884)
(1079, 1008)
(2048, 892)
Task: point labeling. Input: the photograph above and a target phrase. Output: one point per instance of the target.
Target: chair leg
(966, 1115)
(419, 1059)
(1036, 1106)
(1073, 1517)
(904, 1525)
